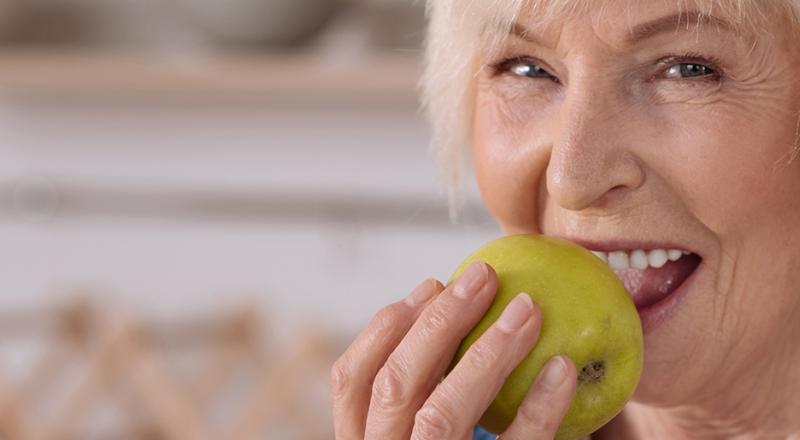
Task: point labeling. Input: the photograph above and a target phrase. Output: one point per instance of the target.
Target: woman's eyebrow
(672, 23)
(641, 32)
(525, 34)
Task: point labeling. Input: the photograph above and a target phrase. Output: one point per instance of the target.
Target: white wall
(319, 213)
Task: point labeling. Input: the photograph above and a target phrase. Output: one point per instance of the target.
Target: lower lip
(659, 312)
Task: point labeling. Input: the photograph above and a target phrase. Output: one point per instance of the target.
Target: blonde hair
(460, 30)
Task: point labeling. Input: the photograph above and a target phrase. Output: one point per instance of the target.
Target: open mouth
(650, 275)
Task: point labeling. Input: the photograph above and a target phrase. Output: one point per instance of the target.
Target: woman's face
(664, 137)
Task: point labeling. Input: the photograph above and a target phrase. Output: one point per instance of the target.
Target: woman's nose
(591, 161)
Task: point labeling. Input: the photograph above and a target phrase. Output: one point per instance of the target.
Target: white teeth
(674, 254)
(618, 260)
(601, 255)
(639, 259)
(657, 258)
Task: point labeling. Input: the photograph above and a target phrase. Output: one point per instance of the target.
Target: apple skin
(586, 314)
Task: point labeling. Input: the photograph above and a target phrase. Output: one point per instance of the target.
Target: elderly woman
(638, 129)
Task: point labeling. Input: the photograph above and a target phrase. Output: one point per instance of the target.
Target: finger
(545, 405)
(459, 401)
(353, 372)
(415, 367)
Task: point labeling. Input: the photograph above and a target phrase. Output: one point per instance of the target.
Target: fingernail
(517, 312)
(470, 280)
(422, 293)
(555, 371)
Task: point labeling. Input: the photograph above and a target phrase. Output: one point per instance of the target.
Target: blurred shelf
(61, 200)
(281, 78)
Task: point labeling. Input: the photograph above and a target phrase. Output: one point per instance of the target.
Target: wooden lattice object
(240, 384)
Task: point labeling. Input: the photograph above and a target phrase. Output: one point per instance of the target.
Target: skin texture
(622, 148)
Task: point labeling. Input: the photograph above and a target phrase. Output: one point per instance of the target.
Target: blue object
(481, 434)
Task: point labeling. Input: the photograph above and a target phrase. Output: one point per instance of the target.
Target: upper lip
(627, 245)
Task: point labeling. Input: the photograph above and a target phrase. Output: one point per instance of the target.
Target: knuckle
(340, 377)
(431, 423)
(388, 320)
(387, 389)
(436, 321)
(483, 356)
(548, 425)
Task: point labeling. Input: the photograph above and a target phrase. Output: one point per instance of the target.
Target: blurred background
(201, 203)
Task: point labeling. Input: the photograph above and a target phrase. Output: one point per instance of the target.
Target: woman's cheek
(732, 175)
(508, 158)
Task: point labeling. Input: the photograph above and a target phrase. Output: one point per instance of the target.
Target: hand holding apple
(387, 385)
(587, 316)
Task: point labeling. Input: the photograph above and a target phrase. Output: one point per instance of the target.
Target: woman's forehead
(547, 16)
(627, 20)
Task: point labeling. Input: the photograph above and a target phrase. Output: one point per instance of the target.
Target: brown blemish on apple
(593, 372)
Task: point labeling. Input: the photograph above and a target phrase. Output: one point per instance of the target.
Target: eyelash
(667, 61)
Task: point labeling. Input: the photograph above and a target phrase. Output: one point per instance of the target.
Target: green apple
(587, 315)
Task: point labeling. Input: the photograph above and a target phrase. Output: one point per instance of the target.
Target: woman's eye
(689, 70)
(523, 68)
(529, 70)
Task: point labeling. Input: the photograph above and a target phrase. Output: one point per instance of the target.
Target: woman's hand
(386, 385)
